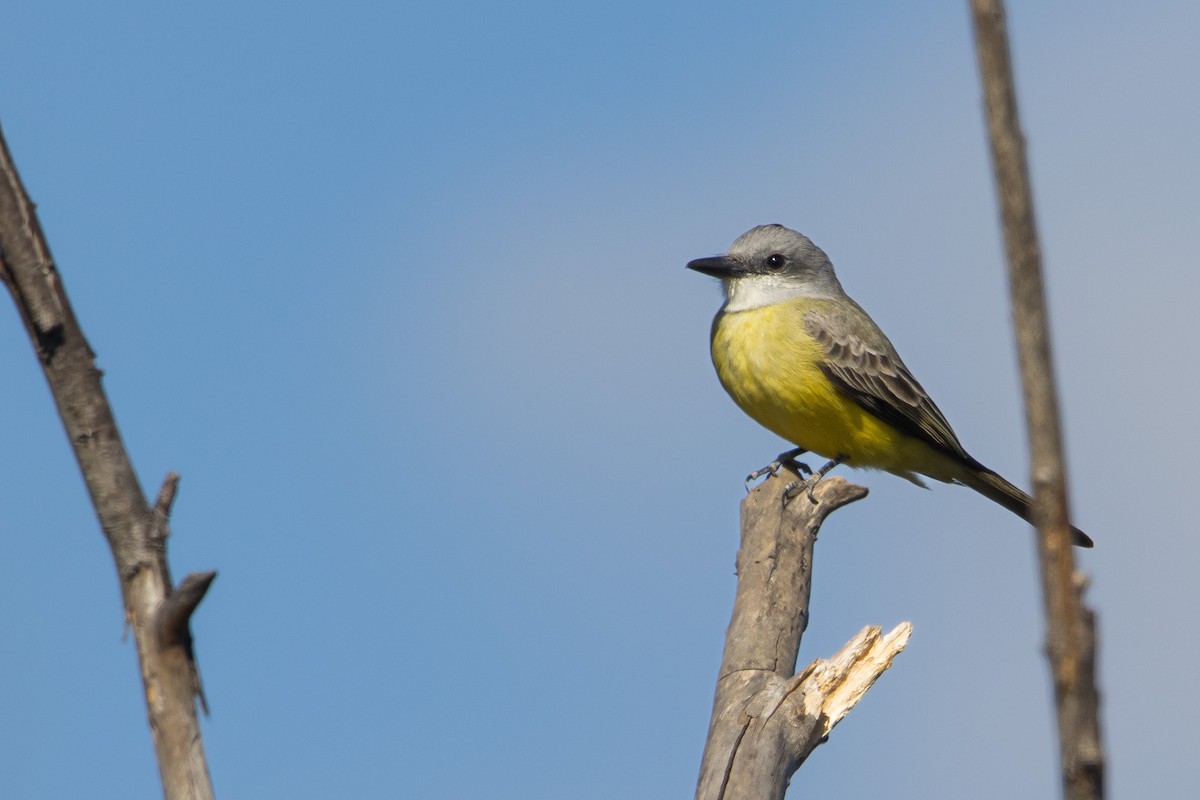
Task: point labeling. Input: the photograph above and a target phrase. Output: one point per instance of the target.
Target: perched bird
(806, 362)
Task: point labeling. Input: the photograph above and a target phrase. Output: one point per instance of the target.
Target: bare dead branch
(175, 632)
(1070, 634)
(30, 275)
(767, 720)
(135, 531)
(166, 495)
(174, 614)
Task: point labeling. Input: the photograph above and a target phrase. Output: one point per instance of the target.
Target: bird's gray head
(769, 264)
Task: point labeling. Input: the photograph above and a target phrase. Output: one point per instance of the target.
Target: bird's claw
(805, 486)
(773, 468)
(808, 484)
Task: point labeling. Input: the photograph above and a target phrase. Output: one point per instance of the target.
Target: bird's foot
(792, 490)
(797, 488)
(773, 468)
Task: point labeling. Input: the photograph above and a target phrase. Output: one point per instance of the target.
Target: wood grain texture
(136, 533)
(767, 718)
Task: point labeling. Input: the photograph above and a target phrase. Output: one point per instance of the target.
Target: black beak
(717, 266)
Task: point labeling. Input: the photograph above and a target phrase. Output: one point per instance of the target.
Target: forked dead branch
(156, 610)
(766, 717)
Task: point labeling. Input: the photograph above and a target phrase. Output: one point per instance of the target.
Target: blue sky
(399, 291)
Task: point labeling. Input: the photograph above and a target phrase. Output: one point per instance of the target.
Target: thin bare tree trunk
(766, 719)
(137, 532)
(1070, 625)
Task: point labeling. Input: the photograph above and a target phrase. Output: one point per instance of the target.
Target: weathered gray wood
(1070, 626)
(766, 719)
(136, 532)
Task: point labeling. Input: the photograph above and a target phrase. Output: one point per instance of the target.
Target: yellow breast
(771, 367)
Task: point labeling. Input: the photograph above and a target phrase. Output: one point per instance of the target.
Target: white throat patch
(756, 291)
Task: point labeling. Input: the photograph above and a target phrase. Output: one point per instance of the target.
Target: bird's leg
(776, 465)
(810, 483)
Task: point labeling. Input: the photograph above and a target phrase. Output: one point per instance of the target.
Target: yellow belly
(771, 368)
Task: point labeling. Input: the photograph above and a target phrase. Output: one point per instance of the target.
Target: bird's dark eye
(775, 262)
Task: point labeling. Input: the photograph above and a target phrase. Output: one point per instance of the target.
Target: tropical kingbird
(806, 362)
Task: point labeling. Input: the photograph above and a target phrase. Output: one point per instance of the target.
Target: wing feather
(862, 363)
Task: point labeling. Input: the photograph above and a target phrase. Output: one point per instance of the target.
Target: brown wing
(861, 362)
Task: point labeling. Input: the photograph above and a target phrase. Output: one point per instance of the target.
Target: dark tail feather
(992, 486)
